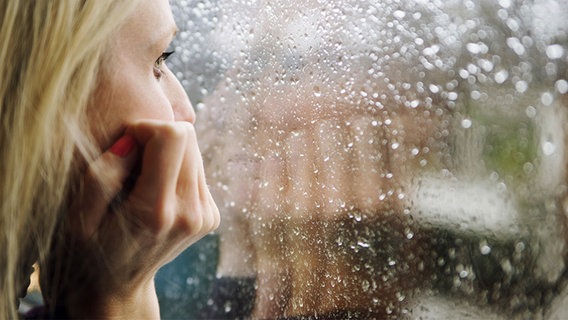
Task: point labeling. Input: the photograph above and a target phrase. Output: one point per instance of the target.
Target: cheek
(120, 103)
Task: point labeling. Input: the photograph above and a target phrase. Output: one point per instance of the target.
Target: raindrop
(505, 3)
(530, 112)
(546, 98)
(548, 148)
(528, 167)
(466, 123)
(484, 248)
(561, 86)
(501, 76)
(521, 86)
(473, 48)
(516, 45)
(432, 50)
(434, 88)
(554, 51)
(513, 25)
(486, 65)
(399, 14)
(502, 14)
(475, 95)
(317, 91)
(365, 285)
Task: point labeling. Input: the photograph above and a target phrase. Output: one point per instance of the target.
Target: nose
(182, 108)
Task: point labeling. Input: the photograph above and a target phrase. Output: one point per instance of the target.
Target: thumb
(104, 179)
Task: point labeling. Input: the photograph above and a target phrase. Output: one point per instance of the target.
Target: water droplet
(548, 148)
(473, 48)
(561, 86)
(530, 112)
(317, 91)
(546, 98)
(528, 167)
(505, 3)
(501, 76)
(431, 51)
(516, 45)
(521, 86)
(399, 14)
(365, 285)
(466, 123)
(554, 51)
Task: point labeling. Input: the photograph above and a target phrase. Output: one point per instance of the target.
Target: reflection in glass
(399, 159)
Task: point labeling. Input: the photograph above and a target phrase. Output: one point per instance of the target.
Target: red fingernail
(123, 146)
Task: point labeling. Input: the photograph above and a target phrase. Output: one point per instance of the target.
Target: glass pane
(377, 159)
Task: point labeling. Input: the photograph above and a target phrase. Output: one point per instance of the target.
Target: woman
(102, 177)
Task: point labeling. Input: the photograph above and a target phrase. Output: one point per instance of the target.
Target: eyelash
(158, 72)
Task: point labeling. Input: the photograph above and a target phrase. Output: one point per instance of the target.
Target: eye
(158, 65)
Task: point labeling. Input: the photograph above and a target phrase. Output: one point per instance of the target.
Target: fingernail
(123, 146)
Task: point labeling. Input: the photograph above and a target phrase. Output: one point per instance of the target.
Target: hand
(118, 235)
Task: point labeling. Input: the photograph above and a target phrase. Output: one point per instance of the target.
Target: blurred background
(392, 159)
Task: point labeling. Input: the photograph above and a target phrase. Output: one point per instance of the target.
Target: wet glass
(377, 159)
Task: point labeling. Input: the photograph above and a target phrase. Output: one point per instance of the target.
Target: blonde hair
(50, 53)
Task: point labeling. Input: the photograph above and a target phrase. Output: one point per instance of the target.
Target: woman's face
(136, 82)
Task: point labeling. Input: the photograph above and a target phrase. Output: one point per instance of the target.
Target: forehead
(150, 22)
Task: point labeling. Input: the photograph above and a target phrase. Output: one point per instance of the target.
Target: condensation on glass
(378, 159)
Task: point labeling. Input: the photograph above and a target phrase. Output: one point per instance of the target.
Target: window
(377, 159)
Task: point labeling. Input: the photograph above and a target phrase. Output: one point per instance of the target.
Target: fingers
(171, 191)
(164, 151)
(103, 181)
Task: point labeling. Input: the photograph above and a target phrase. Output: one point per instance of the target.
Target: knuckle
(160, 217)
(173, 131)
